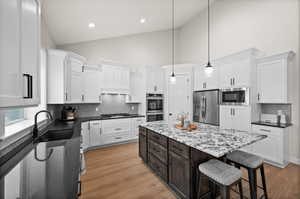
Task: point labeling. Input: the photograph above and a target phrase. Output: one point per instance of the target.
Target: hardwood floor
(118, 173)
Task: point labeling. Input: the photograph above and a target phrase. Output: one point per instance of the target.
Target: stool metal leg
(241, 189)
(252, 183)
(263, 179)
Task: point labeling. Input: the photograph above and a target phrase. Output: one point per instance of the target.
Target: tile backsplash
(273, 108)
(110, 104)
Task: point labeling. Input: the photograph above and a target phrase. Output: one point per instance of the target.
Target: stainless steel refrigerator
(206, 107)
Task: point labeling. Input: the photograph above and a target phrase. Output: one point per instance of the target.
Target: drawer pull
(265, 130)
(118, 129)
(118, 138)
(177, 148)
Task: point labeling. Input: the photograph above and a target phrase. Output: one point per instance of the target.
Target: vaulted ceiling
(68, 20)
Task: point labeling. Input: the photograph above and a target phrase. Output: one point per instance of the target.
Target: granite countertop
(209, 139)
(281, 125)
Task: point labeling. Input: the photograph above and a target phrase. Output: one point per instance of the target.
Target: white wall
(46, 40)
(272, 26)
(152, 48)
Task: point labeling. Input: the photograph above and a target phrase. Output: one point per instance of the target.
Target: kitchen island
(174, 155)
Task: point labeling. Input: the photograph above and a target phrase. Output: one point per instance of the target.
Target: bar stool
(251, 163)
(221, 175)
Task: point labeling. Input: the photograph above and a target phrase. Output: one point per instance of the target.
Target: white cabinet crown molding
(286, 55)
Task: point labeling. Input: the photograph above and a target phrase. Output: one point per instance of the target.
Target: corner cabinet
(71, 80)
(272, 78)
(19, 53)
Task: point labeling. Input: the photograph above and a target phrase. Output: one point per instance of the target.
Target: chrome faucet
(35, 130)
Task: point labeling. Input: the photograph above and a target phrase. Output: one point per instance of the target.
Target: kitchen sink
(52, 135)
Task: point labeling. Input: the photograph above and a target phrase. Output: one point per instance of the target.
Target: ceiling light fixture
(208, 67)
(92, 25)
(173, 77)
(142, 20)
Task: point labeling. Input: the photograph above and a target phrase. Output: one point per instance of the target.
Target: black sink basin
(52, 135)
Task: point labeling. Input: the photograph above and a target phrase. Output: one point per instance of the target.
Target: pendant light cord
(208, 30)
(173, 38)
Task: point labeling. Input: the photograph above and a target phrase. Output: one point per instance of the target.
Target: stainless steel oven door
(235, 96)
(154, 105)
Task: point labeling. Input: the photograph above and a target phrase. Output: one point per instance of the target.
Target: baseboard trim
(295, 160)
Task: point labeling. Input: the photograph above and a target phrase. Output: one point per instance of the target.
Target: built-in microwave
(235, 96)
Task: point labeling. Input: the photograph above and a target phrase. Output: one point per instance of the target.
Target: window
(13, 116)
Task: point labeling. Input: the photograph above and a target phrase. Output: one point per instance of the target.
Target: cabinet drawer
(267, 130)
(179, 149)
(143, 131)
(158, 151)
(158, 167)
(115, 125)
(160, 139)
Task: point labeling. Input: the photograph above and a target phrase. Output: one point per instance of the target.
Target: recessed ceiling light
(92, 25)
(142, 20)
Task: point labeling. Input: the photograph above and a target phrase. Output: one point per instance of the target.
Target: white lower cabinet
(274, 148)
(116, 130)
(95, 133)
(105, 132)
(85, 133)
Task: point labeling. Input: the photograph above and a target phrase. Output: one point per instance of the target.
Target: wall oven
(155, 107)
(235, 96)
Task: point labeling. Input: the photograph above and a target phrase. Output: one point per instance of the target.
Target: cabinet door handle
(265, 130)
(28, 86)
(230, 111)
(233, 81)
(258, 96)
(233, 111)
(82, 98)
(66, 96)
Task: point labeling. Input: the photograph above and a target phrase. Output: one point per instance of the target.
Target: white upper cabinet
(205, 79)
(19, 53)
(92, 83)
(65, 77)
(116, 79)
(154, 80)
(272, 78)
(235, 75)
(237, 70)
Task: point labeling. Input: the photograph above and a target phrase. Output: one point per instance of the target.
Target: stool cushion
(245, 159)
(220, 172)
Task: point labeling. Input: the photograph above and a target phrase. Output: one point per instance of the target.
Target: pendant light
(208, 67)
(173, 77)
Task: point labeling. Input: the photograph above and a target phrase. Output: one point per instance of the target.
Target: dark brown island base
(175, 163)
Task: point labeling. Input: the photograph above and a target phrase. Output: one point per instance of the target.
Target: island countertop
(207, 138)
